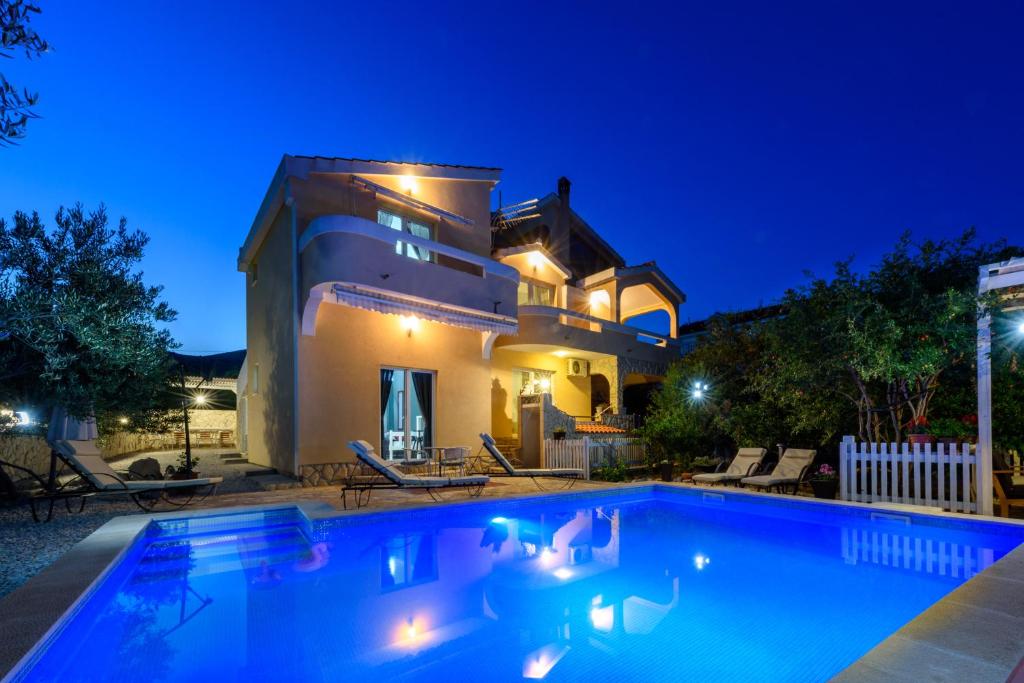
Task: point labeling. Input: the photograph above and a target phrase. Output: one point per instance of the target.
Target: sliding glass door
(406, 412)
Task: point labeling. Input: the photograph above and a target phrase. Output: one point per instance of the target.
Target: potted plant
(918, 431)
(182, 471)
(665, 468)
(825, 482)
(558, 433)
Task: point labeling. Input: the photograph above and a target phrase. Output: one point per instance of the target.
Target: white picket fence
(587, 454)
(935, 475)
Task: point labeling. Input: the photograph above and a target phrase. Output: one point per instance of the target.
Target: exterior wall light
(536, 260)
(410, 324)
(408, 184)
(200, 399)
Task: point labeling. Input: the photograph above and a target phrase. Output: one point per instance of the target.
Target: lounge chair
(73, 442)
(790, 471)
(385, 474)
(746, 464)
(570, 475)
(21, 486)
(1008, 493)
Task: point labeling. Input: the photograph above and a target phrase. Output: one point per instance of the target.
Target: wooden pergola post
(992, 277)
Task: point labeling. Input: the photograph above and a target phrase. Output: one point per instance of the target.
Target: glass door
(406, 412)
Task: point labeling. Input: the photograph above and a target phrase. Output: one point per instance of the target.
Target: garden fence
(588, 454)
(935, 475)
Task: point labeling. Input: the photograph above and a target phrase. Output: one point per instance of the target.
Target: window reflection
(408, 560)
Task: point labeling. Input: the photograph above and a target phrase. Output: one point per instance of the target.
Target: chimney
(563, 191)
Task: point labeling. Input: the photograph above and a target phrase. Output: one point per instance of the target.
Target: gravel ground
(26, 548)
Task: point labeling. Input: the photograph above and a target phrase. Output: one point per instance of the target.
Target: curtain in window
(386, 377)
(421, 383)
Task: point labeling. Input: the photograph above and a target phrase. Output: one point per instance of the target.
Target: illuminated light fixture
(699, 390)
(539, 663)
(536, 259)
(562, 573)
(200, 399)
(701, 561)
(599, 298)
(23, 417)
(545, 384)
(1020, 328)
(561, 353)
(603, 618)
(408, 184)
(410, 324)
(499, 520)
(123, 420)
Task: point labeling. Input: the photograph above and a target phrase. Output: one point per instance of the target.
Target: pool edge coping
(65, 584)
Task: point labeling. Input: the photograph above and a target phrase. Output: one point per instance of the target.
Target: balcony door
(406, 412)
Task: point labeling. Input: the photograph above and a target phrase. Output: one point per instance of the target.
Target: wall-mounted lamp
(200, 399)
(408, 184)
(536, 260)
(410, 324)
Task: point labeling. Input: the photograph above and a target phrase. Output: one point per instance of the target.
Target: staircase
(508, 446)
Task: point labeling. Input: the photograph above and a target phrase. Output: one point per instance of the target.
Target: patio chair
(746, 464)
(385, 474)
(73, 442)
(569, 475)
(21, 486)
(790, 471)
(1009, 494)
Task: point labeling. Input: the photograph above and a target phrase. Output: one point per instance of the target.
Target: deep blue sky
(738, 145)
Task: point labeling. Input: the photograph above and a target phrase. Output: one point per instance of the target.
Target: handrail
(364, 227)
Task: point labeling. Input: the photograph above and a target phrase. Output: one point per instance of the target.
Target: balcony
(353, 260)
(560, 327)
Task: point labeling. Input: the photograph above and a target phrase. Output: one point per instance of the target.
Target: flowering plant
(918, 425)
(825, 473)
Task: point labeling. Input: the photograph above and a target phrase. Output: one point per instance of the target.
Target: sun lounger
(21, 486)
(570, 475)
(746, 464)
(383, 474)
(790, 471)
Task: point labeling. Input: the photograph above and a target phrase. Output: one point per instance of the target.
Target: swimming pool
(650, 583)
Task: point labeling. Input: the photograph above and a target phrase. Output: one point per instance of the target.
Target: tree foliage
(17, 35)
(79, 326)
(854, 353)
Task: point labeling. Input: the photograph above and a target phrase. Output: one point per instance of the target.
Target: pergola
(993, 277)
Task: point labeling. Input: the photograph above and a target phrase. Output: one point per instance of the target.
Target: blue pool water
(648, 584)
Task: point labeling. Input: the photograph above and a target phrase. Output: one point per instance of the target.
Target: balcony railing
(598, 325)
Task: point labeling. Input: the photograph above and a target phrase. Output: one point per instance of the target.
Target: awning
(381, 301)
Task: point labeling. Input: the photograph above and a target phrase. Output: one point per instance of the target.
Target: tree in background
(16, 34)
(863, 354)
(78, 326)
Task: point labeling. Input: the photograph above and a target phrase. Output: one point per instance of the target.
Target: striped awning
(382, 301)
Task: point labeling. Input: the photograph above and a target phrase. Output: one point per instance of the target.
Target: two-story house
(386, 302)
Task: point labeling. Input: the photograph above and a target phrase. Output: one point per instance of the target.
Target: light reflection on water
(617, 588)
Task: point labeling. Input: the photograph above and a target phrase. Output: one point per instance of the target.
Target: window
(406, 412)
(415, 228)
(536, 293)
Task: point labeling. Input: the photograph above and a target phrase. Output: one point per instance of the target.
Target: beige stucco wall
(571, 394)
(270, 333)
(339, 380)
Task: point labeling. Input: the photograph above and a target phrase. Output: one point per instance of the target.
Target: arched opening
(600, 393)
(638, 304)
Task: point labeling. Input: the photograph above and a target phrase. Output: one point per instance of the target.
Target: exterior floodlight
(200, 399)
(697, 393)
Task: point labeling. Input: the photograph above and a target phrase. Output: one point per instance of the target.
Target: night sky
(738, 145)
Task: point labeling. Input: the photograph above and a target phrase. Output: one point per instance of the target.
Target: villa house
(385, 301)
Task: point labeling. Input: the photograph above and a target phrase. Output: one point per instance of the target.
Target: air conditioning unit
(577, 367)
